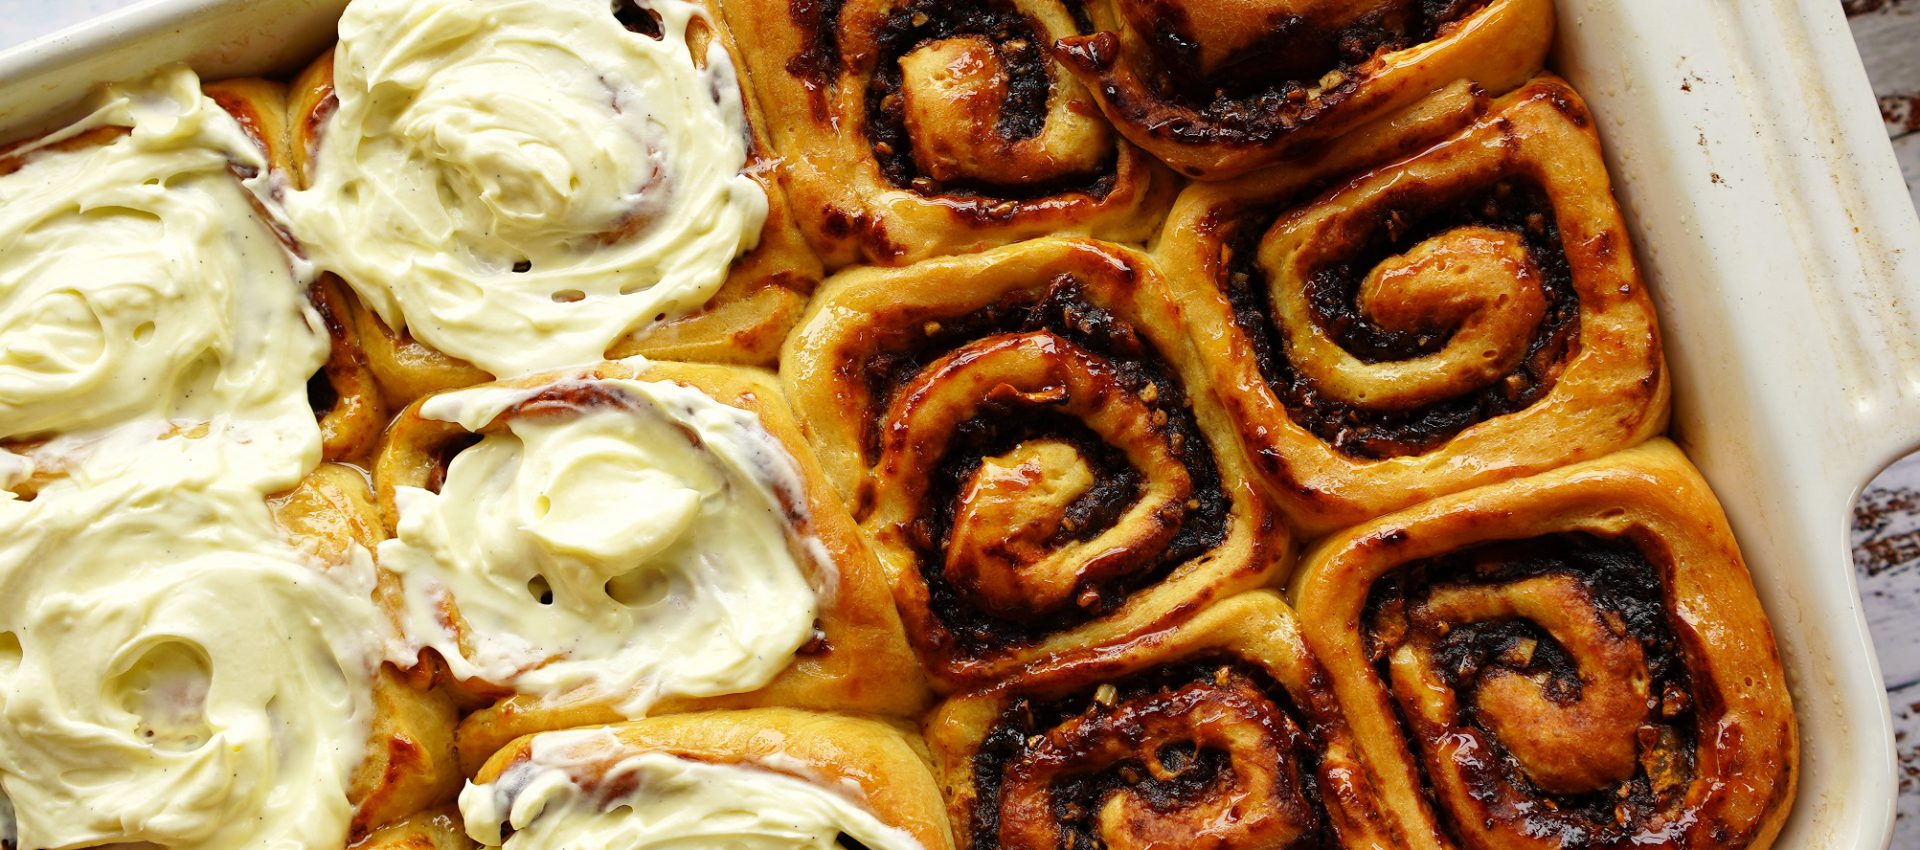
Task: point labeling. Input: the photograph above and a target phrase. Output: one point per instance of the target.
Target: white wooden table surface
(1887, 525)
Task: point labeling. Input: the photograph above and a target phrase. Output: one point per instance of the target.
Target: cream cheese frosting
(501, 172)
(172, 671)
(137, 281)
(548, 802)
(626, 550)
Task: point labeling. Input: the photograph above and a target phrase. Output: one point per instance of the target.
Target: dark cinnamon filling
(1332, 291)
(1022, 49)
(1064, 310)
(1190, 774)
(638, 19)
(1627, 588)
(1265, 89)
(321, 395)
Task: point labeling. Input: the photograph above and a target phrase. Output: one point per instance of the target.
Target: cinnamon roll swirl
(1217, 89)
(626, 539)
(1028, 439)
(1468, 314)
(179, 670)
(767, 779)
(912, 128)
(144, 279)
(512, 185)
(1219, 732)
(1575, 660)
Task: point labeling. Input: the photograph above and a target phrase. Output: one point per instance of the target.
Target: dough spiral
(1469, 313)
(1573, 660)
(1025, 437)
(915, 128)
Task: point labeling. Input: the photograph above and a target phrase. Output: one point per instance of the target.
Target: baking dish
(1768, 213)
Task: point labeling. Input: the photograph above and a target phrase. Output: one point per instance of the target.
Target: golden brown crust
(261, 108)
(887, 765)
(862, 662)
(910, 129)
(742, 324)
(1217, 89)
(1579, 656)
(1469, 314)
(1219, 732)
(409, 765)
(352, 410)
(1026, 437)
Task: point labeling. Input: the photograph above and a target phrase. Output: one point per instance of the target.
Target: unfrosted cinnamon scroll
(1029, 441)
(1217, 733)
(630, 538)
(775, 779)
(915, 128)
(566, 181)
(147, 277)
(182, 667)
(1467, 314)
(1217, 89)
(1575, 660)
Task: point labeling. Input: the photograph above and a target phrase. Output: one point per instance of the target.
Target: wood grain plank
(1888, 32)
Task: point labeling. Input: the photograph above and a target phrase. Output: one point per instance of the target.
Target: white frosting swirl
(523, 182)
(137, 281)
(675, 803)
(172, 671)
(635, 550)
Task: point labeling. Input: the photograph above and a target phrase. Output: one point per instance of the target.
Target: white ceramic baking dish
(1768, 212)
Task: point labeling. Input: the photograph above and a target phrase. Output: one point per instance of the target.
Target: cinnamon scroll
(1467, 314)
(771, 778)
(588, 175)
(1573, 660)
(1217, 733)
(626, 539)
(1029, 441)
(916, 128)
(1217, 89)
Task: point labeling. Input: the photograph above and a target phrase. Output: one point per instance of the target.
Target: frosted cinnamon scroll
(770, 779)
(629, 538)
(525, 185)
